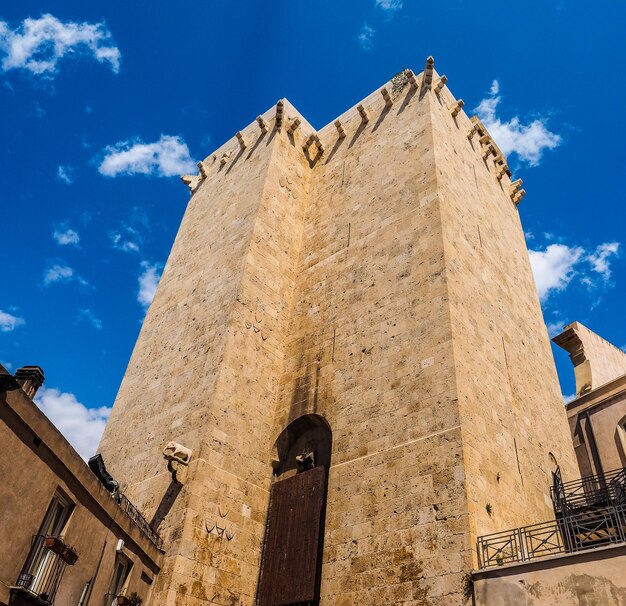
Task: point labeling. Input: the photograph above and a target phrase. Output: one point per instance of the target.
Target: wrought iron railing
(136, 516)
(42, 571)
(568, 534)
(599, 490)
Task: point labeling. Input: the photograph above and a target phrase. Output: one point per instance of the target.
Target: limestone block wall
(203, 372)
(370, 349)
(384, 285)
(511, 409)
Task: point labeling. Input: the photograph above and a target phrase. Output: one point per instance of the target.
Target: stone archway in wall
(291, 561)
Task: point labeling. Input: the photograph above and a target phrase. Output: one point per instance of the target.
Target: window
(120, 574)
(621, 436)
(44, 566)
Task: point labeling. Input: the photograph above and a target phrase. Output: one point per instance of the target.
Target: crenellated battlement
(393, 96)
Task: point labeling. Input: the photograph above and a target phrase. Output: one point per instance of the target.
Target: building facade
(597, 415)
(64, 539)
(348, 345)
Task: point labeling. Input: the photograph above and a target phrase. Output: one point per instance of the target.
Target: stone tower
(355, 304)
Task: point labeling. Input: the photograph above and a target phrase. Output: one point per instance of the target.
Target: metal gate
(291, 561)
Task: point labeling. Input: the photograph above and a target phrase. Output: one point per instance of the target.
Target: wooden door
(291, 560)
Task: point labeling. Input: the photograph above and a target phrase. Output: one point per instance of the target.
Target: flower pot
(54, 544)
(122, 600)
(69, 555)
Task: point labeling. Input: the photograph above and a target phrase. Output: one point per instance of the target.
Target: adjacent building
(63, 538)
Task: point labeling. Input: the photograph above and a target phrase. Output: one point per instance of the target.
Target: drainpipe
(84, 599)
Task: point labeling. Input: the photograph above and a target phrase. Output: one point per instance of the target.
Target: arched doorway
(291, 561)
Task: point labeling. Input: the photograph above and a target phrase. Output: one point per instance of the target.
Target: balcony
(590, 513)
(40, 577)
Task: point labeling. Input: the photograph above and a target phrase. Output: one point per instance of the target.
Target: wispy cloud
(65, 174)
(58, 273)
(9, 322)
(148, 282)
(87, 315)
(528, 141)
(167, 157)
(389, 5)
(65, 236)
(557, 265)
(366, 37)
(81, 426)
(37, 45)
(600, 258)
(119, 242)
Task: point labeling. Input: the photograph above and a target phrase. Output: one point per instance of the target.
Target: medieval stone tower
(346, 333)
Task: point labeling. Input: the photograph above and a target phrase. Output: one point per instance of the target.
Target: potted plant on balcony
(132, 600)
(69, 555)
(55, 544)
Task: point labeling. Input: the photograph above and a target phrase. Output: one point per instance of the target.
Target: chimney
(30, 378)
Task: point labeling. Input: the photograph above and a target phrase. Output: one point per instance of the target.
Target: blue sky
(102, 106)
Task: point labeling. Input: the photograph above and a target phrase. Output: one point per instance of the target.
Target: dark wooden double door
(292, 550)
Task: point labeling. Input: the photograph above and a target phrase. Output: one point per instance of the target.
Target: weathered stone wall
(355, 286)
(205, 368)
(370, 350)
(591, 578)
(511, 409)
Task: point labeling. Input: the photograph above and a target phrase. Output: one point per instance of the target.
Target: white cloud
(600, 258)
(9, 322)
(120, 243)
(389, 5)
(81, 426)
(87, 315)
(61, 273)
(64, 173)
(366, 37)
(37, 45)
(7, 365)
(528, 141)
(556, 266)
(65, 236)
(553, 267)
(148, 282)
(167, 157)
(569, 398)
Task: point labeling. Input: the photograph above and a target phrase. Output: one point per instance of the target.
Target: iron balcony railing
(135, 515)
(42, 571)
(590, 491)
(578, 532)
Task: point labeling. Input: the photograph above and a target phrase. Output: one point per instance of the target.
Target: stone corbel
(428, 72)
(262, 124)
(280, 107)
(387, 97)
(191, 181)
(242, 142)
(457, 108)
(340, 129)
(439, 86)
(363, 113)
(410, 76)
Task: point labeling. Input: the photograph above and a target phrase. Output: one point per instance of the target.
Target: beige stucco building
(597, 415)
(97, 550)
